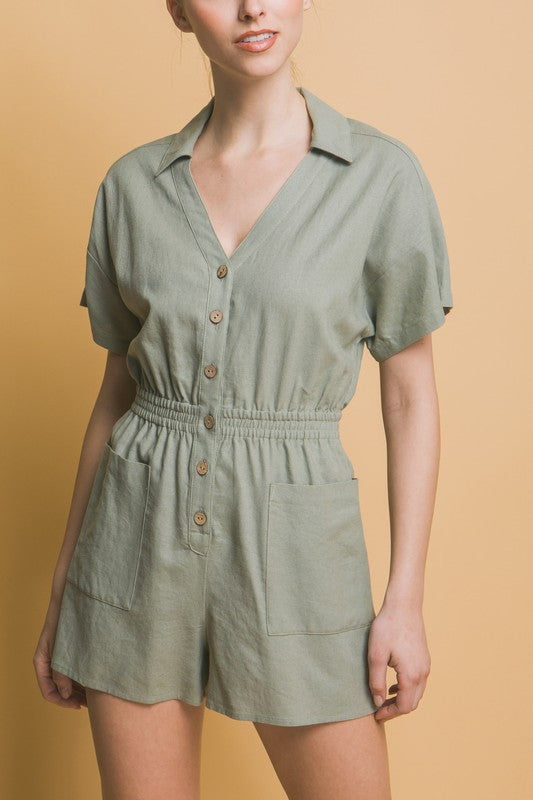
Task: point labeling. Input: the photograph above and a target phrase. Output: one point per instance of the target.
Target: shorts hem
(118, 691)
(251, 716)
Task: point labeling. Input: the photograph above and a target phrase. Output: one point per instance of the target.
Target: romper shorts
(268, 615)
(222, 552)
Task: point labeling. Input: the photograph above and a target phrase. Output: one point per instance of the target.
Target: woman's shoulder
(382, 147)
(139, 162)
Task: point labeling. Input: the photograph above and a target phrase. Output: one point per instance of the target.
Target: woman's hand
(398, 639)
(54, 686)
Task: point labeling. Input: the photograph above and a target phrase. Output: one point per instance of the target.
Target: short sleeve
(406, 277)
(113, 324)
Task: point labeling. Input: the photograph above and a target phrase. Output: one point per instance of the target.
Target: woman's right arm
(114, 398)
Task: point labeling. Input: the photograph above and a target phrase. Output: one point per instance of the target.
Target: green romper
(222, 551)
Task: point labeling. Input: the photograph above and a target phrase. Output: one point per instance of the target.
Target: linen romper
(222, 551)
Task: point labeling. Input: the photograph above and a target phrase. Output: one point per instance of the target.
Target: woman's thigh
(145, 751)
(347, 760)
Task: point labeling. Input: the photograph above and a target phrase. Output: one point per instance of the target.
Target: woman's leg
(346, 760)
(146, 752)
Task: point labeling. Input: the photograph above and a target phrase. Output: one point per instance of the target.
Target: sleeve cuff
(112, 343)
(385, 348)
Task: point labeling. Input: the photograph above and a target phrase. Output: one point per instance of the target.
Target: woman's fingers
(408, 692)
(69, 689)
(378, 657)
(50, 691)
(397, 640)
(78, 691)
(49, 680)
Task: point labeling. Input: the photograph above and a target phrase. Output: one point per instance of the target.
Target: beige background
(85, 82)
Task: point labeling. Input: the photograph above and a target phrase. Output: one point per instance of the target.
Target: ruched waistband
(175, 414)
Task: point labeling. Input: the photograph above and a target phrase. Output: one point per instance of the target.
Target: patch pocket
(105, 560)
(317, 572)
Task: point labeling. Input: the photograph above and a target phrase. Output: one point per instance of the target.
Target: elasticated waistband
(175, 414)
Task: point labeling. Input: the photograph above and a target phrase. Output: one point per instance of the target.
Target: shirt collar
(331, 131)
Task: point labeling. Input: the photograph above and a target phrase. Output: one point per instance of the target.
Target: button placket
(205, 439)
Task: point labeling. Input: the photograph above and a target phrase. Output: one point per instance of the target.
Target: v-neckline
(257, 222)
(200, 221)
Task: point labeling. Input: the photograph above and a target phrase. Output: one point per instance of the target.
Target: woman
(235, 271)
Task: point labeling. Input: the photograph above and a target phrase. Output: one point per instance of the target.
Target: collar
(331, 131)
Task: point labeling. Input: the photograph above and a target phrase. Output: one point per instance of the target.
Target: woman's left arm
(411, 421)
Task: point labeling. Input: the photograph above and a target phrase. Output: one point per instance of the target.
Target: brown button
(210, 370)
(202, 467)
(222, 271)
(200, 518)
(209, 421)
(215, 315)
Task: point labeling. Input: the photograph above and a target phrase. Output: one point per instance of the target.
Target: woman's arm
(410, 413)
(114, 398)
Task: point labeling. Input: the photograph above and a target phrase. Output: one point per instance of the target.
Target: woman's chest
(301, 259)
(235, 195)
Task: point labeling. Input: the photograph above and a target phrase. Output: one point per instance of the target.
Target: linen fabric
(222, 552)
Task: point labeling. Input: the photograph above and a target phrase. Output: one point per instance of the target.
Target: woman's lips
(258, 47)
